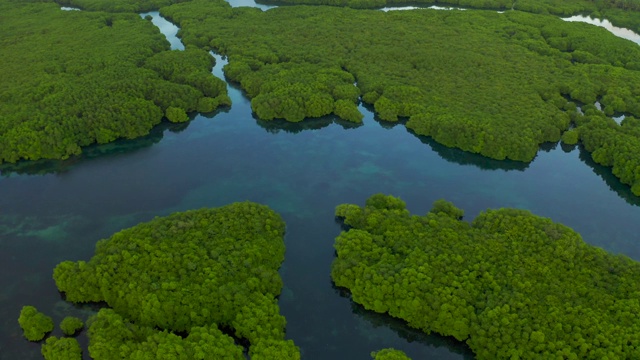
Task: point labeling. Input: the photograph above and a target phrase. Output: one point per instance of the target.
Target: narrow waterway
(52, 211)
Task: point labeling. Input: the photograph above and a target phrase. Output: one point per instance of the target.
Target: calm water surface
(52, 211)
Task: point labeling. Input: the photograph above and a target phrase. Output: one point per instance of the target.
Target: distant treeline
(620, 12)
(73, 78)
(489, 83)
(511, 284)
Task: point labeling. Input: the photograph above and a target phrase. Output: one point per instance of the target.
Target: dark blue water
(56, 210)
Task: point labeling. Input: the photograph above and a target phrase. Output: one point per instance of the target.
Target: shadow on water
(404, 331)
(623, 190)
(462, 157)
(116, 148)
(277, 125)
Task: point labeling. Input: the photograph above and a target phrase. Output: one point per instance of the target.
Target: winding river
(56, 210)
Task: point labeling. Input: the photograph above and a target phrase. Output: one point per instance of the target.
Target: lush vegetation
(621, 12)
(612, 144)
(489, 83)
(73, 78)
(113, 337)
(389, 354)
(61, 349)
(34, 324)
(71, 325)
(187, 272)
(510, 284)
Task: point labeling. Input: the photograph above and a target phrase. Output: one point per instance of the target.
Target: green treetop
(510, 284)
(34, 323)
(200, 268)
(70, 325)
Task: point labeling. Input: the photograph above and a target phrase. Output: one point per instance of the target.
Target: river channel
(52, 211)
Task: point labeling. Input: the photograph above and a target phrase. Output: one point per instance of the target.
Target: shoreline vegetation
(510, 284)
(75, 78)
(199, 284)
(499, 85)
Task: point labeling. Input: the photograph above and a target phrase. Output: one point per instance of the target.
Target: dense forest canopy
(485, 82)
(510, 284)
(73, 78)
(189, 272)
(624, 13)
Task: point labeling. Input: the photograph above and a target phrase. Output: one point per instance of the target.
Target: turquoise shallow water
(56, 210)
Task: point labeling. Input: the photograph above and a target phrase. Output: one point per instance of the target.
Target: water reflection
(277, 125)
(604, 172)
(461, 157)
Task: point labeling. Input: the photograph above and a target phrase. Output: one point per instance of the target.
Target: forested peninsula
(485, 82)
(497, 84)
(186, 286)
(74, 78)
(511, 284)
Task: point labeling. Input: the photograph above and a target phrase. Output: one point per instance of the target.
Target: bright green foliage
(571, 137)
(61, 349)
(188, 269)
(488, 83)
(274, 349)
(70, 325)
(613, 145)
(186, 272)
(389, 354)
(511, 284)
(176, 115)
(73, 78)
(111, 337)
(34, 323)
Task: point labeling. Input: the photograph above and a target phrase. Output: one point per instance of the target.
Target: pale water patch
(619, 119)
(250, 3)
(433, 7)
(67, 8)
(617, 31)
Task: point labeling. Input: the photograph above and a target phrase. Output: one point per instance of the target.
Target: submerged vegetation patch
(510, 284)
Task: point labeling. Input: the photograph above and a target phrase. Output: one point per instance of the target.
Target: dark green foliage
(61, 349)
(34, 323)
(73, 78)
(182, 272)
(111, 337)
(389, 354)
(511, 284)
(488, 83)
(71, 325)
